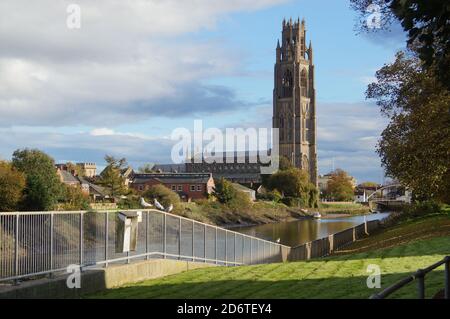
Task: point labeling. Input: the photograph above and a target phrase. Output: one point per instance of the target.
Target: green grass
(342, 276)
(343, 208)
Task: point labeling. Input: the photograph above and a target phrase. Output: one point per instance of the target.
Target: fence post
(331, 241)
(51, 243)
(165, 236)
(354, 234)
(447, 277)
(420, 275)
(147, 257)
(226, 251)
(106, 237)
(251, 251)
(16, 249)
(193, 232)
(204, 243)
(81, 241)
(243, 247)
(234, 249)
(365, 226)
(179, 238)
(215, 246)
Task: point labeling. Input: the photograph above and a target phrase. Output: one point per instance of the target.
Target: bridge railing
(419, 275)
(39, 243)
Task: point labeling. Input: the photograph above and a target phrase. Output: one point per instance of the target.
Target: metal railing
(419, 275)
(39, 243)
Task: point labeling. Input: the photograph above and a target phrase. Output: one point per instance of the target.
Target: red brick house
(188, 185)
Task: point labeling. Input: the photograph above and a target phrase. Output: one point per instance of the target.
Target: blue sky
(136, 70)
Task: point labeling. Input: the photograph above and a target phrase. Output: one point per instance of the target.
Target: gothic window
(286, 84)
(304, 83)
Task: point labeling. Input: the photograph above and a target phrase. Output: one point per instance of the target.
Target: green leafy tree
(111, 177)
(426, 24)
(12, 185)
(294, 185)
(224, 191)
(415, 146)
(369, 184)
(340, 187)
(43, 186)
(73, 168)
(285, 163)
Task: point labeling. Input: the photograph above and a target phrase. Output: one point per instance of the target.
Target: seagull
(278, 240)
(158, 204)
(169, 209)
(144, 204)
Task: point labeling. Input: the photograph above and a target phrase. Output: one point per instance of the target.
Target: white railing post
(215, 246)
(147, 257)
(193, 244)
(16, 247)
(81, 240)
(179, 239)
(204, 243)
(226, 251)
(234, 249)
(165, 236)
(106, 237)
(51, 242)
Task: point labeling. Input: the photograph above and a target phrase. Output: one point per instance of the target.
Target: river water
(298, 232)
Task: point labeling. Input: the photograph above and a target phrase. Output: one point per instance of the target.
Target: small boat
(317, 215)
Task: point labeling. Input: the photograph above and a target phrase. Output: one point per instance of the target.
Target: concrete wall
(96, 280)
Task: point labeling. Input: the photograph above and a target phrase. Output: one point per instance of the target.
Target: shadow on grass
(329, 288)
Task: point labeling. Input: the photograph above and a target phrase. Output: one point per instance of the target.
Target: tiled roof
(68, 178)
(173, 178)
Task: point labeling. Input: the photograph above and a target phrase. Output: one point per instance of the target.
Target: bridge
(389, 196)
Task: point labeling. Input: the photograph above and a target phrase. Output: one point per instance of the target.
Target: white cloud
(128, 61)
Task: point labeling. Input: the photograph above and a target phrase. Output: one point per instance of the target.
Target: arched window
(304, 83)
(286, 84)
(305, 163)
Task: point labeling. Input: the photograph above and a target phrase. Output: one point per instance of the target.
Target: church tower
(294, 98)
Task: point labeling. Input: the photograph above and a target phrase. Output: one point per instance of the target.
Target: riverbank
(264, 212)
(337, 276)
(258, 213)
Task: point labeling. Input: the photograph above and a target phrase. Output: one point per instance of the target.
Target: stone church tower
(294, 98)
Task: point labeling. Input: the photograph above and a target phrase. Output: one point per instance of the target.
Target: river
(298, 232)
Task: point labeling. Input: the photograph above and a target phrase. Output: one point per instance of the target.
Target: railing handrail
(134, 210)
(419, 274)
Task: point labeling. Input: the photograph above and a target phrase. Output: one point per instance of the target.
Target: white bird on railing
(144, 204)
(278, 240)
(158, 204)
(169, 209)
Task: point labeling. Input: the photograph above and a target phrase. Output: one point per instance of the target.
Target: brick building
(189, 186)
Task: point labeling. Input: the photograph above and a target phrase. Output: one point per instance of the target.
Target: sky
(136, 70)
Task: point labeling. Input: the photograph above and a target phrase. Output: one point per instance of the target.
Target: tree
(293, 183)
(340, 187)
(426, 23)
(368, 184)
(12, 185)
(415, 146)
(224, 191)
(43, 187)
(111, 177)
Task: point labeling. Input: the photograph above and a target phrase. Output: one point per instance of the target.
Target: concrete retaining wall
(96, 280)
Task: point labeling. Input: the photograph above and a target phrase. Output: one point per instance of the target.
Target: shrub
(12, 185)
(424, 208)
(224, 191)
(164, 195)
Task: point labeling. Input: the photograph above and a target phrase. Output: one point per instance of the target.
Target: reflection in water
(299, 232)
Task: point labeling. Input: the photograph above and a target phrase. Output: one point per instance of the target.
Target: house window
(199, 188)
(141, 187)
(174, 188)
(180, 188)
(192, 188)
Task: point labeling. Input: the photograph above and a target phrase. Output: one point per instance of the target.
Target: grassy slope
(342, 276)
